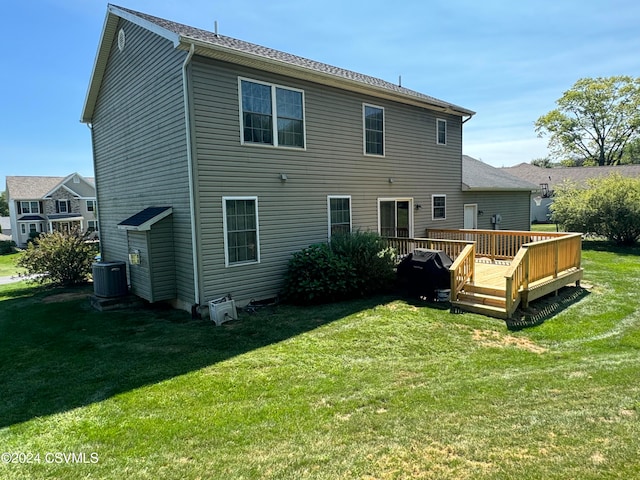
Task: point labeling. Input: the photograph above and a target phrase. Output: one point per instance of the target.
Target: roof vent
(121, 40)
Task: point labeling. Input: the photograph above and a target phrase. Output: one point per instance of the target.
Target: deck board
(491, 274)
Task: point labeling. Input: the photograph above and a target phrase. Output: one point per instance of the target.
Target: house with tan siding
(216, 159)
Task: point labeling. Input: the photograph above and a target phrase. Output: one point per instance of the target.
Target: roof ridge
(242, 46)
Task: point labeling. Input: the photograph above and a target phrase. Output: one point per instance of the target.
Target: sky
(507, 60)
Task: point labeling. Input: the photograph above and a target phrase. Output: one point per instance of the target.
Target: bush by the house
(349, 266)
(62, 258)
(372, 259)
(7, 247)
(609, 207)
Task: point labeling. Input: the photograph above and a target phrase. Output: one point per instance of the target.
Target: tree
(4, 205)
(542, 162)
(62, 258)
(595, 120)
(609, 207)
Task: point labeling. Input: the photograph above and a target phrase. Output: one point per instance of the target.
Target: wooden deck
(494, 272)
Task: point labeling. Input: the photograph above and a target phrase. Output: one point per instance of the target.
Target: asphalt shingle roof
(33, 187)
(477, 175)
(206, 40)
(558, 175)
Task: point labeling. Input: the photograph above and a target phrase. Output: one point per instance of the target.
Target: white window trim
(364, 131)
(433, 207)
(329, 197)
(29, 202)
(397, 199)
(224, 226)
(438, 120)
(94, 204)
(274, 116)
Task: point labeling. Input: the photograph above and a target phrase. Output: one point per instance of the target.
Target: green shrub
(372, 260)
(352, 265)
(608, 206)
(59, 257)
(317, 275)
(7, 247)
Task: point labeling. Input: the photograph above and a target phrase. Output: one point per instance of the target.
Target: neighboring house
(547, 179)
(5, 228)
(493, 198)
(47, 204)
(216, 159)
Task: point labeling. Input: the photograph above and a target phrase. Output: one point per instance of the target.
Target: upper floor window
(373, 119)
(272, 115)
(62, 206)
(339, 214)
(242, 239)
(30, 207)
(439, 203)
(91, 205)
(441, 131)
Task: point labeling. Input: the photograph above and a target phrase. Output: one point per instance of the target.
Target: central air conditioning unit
(222, 310)
(110, 279)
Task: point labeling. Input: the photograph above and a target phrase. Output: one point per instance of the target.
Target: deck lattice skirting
(496, 271)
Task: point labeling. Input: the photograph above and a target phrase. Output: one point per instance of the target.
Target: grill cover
(424, 271)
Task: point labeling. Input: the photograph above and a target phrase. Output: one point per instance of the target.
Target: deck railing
(405, 246)
(542, 260)
(534, 256)
(463, 270)
(495, 244)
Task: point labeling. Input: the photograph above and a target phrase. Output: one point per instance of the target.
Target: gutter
(187, 121)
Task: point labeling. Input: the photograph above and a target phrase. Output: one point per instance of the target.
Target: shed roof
(478, 176)
(144, 219)
(213, 45)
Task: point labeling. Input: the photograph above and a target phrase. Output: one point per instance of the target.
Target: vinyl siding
(512, 206)
(140, 275)
(140, 153)
(293, 214)
(161, 260)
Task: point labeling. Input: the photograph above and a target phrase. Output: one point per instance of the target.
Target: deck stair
(483, 299)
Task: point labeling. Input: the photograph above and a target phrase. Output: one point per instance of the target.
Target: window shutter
(41, 207)
(57, 206)
(19, 208)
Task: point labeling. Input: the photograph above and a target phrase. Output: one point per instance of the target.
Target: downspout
(97, 212)
(187, 121)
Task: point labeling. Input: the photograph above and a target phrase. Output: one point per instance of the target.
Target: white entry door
(471, 216)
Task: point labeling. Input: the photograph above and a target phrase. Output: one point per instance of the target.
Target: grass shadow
(58, 353)
(546, 307)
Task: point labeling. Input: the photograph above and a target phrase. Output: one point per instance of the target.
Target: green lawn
(545, 227)
(8, 265)
(372, 389)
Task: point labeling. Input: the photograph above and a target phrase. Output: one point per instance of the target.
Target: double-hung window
(373, 121)
(339, 214)
(241, 232)
(91, 205)
(441, 131)
(271, 114)
(439, 203)
(395, 217)
(62, 206)
(30, 207)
